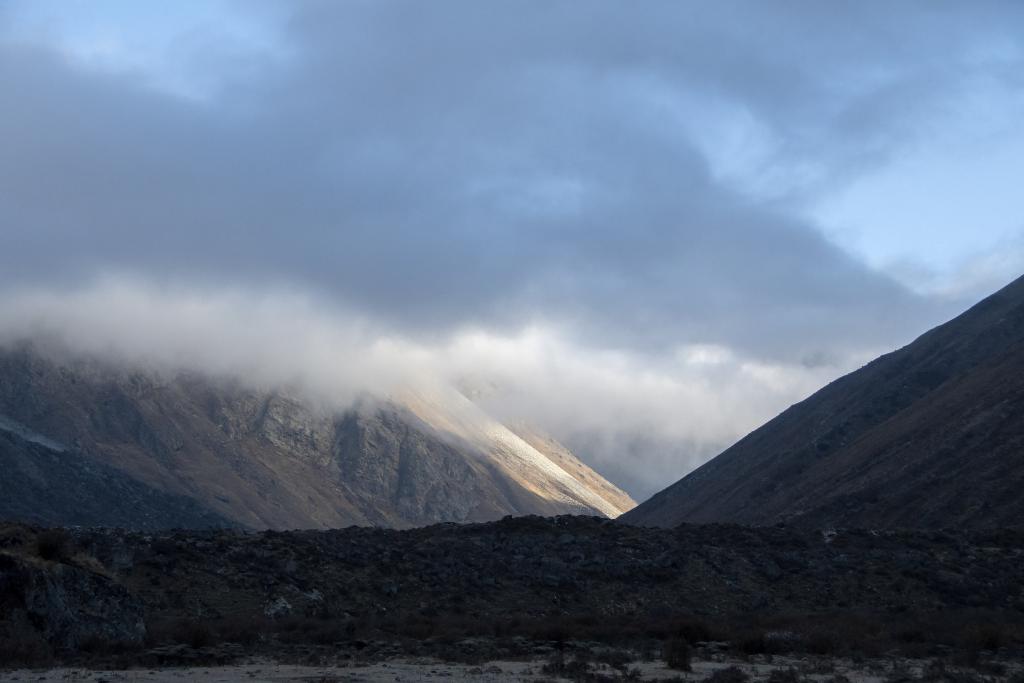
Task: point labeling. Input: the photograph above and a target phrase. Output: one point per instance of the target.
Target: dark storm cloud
(467, 163)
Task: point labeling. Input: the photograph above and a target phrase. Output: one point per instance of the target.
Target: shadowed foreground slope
(374, 590)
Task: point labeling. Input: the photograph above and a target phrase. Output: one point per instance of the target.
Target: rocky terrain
(519, 587)
(87, 442)
(929, 436)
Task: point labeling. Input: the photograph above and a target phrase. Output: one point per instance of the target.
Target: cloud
(430, 212)
(980, 272)
(612, 199)
(268, 339)
(672, 410)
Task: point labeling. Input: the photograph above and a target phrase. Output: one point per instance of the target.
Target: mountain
(87, 442)
(929, 436)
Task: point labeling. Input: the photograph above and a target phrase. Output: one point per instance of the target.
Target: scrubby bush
(677, 654)
(784, 676)
(21, 645)
(244, 630)
(732, 674)
(575, 669)
(53, 545)
(196, 634)
(616, 658)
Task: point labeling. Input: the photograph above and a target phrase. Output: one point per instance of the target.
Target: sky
(646, 228)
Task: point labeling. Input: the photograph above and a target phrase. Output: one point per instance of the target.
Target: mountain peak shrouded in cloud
(85, 440)
(636, 222)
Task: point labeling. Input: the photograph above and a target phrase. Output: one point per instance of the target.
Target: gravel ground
(811, 670)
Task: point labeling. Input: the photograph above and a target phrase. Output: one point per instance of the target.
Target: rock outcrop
(69, 602)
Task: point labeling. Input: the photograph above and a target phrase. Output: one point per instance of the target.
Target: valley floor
(812, 669)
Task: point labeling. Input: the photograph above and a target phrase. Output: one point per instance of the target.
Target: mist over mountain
(152, 449)
(619, 409)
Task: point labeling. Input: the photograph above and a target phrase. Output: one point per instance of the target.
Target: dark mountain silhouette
(929, 436)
